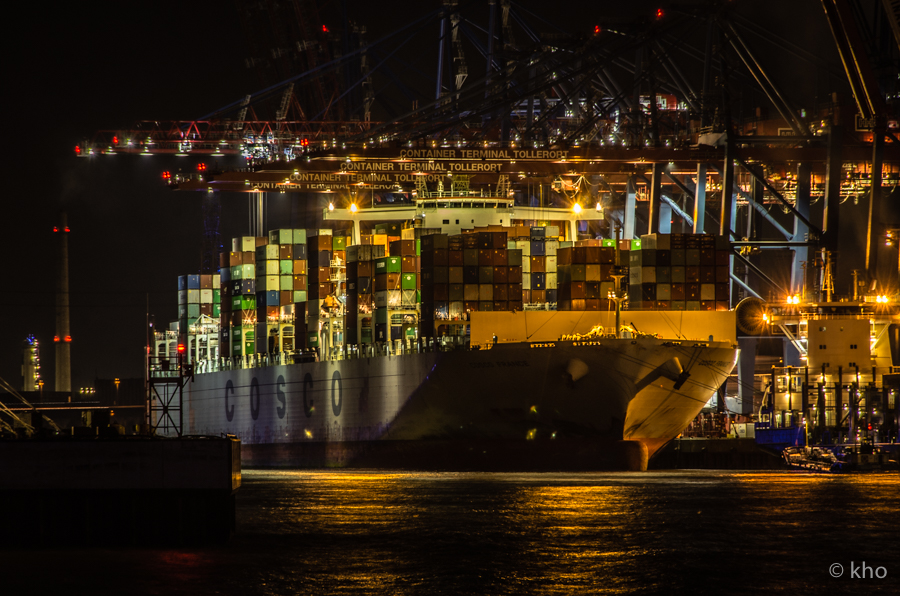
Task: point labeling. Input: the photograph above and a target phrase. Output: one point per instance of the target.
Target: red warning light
(115, 140)
(77, 150)
(181, 348)
(66, 229)
(304, 142)
(56, 338)
(166, 175)
(201, 167)
(660, 13)
(67, 338)
(324, 29)
(55, 229)
(596, 29)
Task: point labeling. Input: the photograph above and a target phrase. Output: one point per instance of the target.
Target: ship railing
(347, 352)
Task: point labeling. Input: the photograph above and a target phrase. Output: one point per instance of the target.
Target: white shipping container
(550, 247)
(648, 275)
(206, 296)
(524, 246)
(551, 281)
(551, 232)
(394, 298)
(248, 243)
(550, 263)
(193, 297)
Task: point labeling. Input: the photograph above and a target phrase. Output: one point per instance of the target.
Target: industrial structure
(676, 125)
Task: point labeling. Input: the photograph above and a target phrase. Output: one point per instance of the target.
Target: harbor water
(664, 532)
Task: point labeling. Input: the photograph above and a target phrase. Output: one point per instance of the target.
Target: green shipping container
(387, 265)
(299, 237)
(418, 247)
(286, 267)
(236, 272)
(217, 296)
(216, 310)
(248, 302)
(338, 242)
(299, 296)
(608, 242)
(313, 339)
(408, 281)
(636, 244)
(381, 315)
(281, 237)
(248, 271)
(286, 282)
(366, 336)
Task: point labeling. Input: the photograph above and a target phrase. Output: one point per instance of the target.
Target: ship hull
(605, 404)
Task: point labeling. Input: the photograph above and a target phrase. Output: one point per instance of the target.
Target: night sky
(76, 68)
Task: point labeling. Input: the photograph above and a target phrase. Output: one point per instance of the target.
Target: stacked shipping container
(198, 295)
(539, 247)
(361, 261)
(468, 272)
(586, 275)
(281, 291)
(237, 270)
(680, 272)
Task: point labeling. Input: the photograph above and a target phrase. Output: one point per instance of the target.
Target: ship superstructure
(847, 389)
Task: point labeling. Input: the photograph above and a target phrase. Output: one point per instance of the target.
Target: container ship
(414, 341)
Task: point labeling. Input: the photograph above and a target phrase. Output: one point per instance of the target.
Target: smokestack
(63, 338)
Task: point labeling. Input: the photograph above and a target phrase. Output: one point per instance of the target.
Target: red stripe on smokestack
(63, 348)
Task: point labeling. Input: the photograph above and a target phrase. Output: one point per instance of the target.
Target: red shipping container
(577, 290)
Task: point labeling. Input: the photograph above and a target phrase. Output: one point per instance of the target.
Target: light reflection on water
(348, 532)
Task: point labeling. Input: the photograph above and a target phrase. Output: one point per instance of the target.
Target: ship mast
(616, 295)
